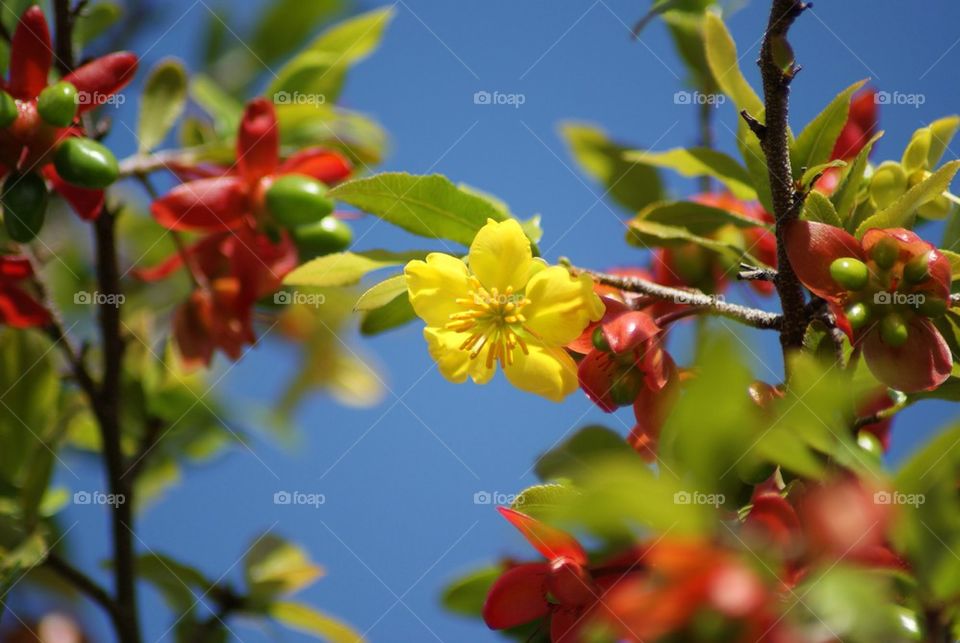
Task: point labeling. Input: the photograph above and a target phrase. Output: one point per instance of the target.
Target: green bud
(627, 386)
(850, 273)
(917, 269)
(858, 315)
(870, 443)
(8, 109)
(86, 163)
(936, 208)
(887, 184)
(885, 253)
(932, 307)
(328, 235)
(24, 201)
(600, 340)
(893, 330)
(296, 200)
(915, 156)
(57, 104)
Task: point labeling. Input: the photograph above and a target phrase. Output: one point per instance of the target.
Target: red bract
(907, 282)
(860, 127)
(691, 265)
(565, 590)
(235, 269)
(17, 308)
(234, 197)
(29, 142)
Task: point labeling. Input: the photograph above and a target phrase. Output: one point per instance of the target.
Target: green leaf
(429, 206)
(383, 293)
(356, 38)
(815, 143)
(276, 567)
(724, 64)
(900, 213)
(225, 110)
(844, 198)
(179, 584)
(467, 594)
(284, 24)
(928, 531)
(632, 185)
(346, 268)
(698, 218)
(571, 458)
(94, 20)
(543, 500)
(164, 97)
(304, 618)
(811, 175)
(942, 132)
(701, 161)
(954, 259)
(686, 30)
(312, 78)
(820, 209)
(397, 313)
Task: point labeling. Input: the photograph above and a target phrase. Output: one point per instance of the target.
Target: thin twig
(83, 583)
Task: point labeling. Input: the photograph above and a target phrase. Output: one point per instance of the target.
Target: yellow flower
(506, 308)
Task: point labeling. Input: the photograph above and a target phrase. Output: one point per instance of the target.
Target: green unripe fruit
(8, 109)
(885, 253)
(600, 340)
(858, 315)
(627, 386)
(85, 163)
(893, 330)
(917, 269)
(937, 208)
(57, 104)
(24, 201)
(296, 200)
(328, 235)
(850, 273)
(888, 184)
(932, 307)
(870, 443)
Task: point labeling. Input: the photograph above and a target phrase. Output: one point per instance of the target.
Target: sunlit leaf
(164, 97)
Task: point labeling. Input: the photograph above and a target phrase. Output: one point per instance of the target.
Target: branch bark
(772, 134)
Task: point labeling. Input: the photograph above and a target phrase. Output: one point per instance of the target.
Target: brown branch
(774, 142)
(82, 583)
(701, 301)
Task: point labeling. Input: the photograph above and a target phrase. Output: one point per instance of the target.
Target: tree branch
(707, 303)
(82, 583)
(774, 142)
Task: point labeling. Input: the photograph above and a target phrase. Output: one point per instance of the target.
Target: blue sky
(399, 479)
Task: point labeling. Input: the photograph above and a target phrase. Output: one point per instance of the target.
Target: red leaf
(100, 79)
(85, 202)
(20, 310)
(258, 142)
(323, 165)
(812, 247)
(31, 55)
(517, 597)
(203, 205)
(552, 543)
(922, 363)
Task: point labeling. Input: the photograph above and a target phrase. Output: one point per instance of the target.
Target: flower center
(493, 320)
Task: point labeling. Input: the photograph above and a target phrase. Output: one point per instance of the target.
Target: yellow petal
(434, 286)
(548, 372)
(561, 305)
(500, 255)
(455, 364)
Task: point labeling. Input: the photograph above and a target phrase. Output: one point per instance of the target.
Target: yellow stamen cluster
(493, 320)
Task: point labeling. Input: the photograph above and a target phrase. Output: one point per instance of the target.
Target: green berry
(86, 163)
(870, 443)
(858, 315)
(850, 273)
(57, 104)
(328, 235)
(885, 253)
(296, 200)
(600, 340)
(917, 269)
(932, 307)
(8, 109)
(887, 184)
(893, 330)
(24, 199)
(627, 386)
